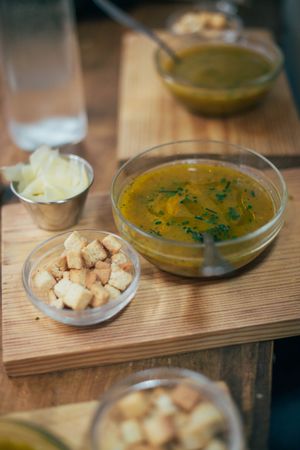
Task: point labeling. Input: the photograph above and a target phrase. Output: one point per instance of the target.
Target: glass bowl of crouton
(82, 277)
(166, 408)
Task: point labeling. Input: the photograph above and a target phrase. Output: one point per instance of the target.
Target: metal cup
(61, 214)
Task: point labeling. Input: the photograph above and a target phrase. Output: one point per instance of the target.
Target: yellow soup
(183, 200)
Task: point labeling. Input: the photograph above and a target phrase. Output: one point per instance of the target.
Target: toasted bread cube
(191, 438)
(62, 287)
(44, 280)
(134, 405)
(93, 252)
(113, 292)
(57, 303)
(119, 279)
(66, 275)
(128, 266)
(102, 264)
(58, 267)
(164, 404)
(75, 242)
(142, 446)
(131, 431)
(119, 258)
(100, 295)
(78, 276)
(51, 296)
(91, 278)
(111, 244)
(74, 259)
(77, 297)
(185, 397)
(207, 416)
(216, 444)
(103, 275)
(159, 430)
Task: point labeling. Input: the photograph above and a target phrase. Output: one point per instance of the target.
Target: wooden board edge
(98, 357)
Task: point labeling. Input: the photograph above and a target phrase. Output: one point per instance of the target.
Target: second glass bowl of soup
(218, 78)
(168, 198)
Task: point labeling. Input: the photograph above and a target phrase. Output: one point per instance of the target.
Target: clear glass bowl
(184, 258)
(167, 377)
(50, 249)
(19, 435)
(219, 101)
(193, 21)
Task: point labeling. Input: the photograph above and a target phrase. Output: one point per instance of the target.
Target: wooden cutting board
(169, 314)
(149, 116)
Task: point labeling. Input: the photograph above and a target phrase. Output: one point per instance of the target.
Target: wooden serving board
(169, 315)
(148, 114)
(70, 422)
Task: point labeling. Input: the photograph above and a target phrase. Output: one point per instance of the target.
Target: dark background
(282, 18)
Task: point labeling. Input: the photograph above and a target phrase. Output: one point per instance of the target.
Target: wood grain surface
(149, 116)
(169, 314)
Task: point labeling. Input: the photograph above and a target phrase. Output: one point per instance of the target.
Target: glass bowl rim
(71, 156)
(136, 380)
(92, 313)
(245, 41)
(227, 242)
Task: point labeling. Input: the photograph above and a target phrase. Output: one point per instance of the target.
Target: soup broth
(183, 200)
(219, 66)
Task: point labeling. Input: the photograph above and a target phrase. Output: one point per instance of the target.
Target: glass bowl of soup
(219, 78)
(168, 200)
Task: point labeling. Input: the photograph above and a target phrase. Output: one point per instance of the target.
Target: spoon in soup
(126, 20)
(214, 264)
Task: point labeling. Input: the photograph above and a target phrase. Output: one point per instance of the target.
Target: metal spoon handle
(214, 264)
(125, 19)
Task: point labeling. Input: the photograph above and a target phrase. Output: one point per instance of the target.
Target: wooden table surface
(245, 368)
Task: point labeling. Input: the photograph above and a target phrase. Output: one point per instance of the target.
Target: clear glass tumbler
(40, 59)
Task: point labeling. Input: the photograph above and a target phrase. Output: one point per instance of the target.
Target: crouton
(185, 397)
(74, 259)
(93, 252)
(119, 258)
(66, 275)
(111, 244)
(164, 404)
(159, 430)
(62, 287)
(119, 278)
(51, 296)
(78, 276)
(75, 242)
(131, 431)
(191, 438)
(216, 444)
(44, 280)
(58, 267)
(103, 275)
(134, 405)
(206, 416)
(57, 303)
(103, 264)
(77, 297)
(100, 295)
(91, 278)
(113, 292)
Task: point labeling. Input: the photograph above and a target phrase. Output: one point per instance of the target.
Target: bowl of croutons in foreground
(166, 408)
(82, 277)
